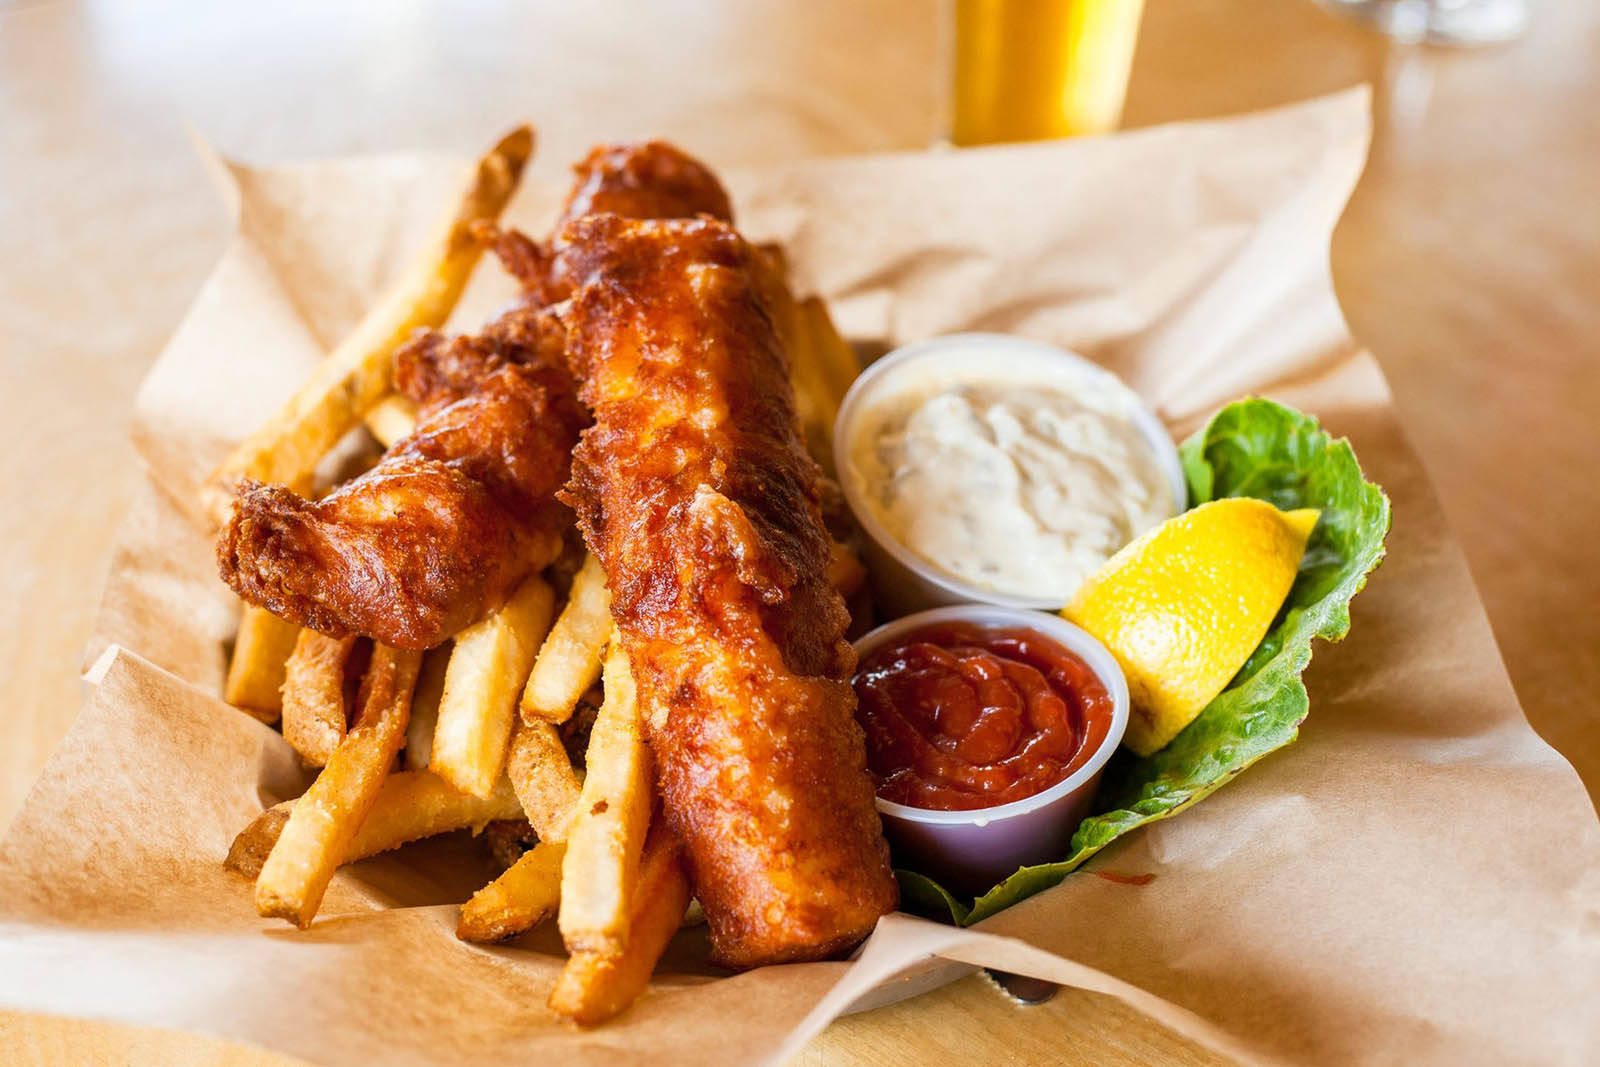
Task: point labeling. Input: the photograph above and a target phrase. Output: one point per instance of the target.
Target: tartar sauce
(1019, 487)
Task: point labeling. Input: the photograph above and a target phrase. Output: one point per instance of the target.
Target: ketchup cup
(970, 851)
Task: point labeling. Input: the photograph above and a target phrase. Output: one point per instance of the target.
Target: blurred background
(1468, 261)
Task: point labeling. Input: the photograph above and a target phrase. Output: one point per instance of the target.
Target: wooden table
(1466, 261)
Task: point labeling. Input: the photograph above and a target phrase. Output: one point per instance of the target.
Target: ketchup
(960, 716)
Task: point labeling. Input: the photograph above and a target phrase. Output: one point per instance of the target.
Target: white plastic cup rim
(1065, 362)
(1073, 639)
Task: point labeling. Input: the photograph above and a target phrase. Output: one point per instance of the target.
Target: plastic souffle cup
(902, 580)
(968, 852)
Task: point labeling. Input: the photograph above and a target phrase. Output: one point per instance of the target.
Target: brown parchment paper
(1416, 880)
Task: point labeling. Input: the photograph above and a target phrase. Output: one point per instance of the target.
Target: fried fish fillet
(641, 181)
(455, 515)
(648, 180)
(435, 368)
(653, 180)
(694, 490)
(435, 536)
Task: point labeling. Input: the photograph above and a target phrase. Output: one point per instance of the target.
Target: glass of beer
(1026, 70)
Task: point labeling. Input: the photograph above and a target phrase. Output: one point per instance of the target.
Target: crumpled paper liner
(1416, 880)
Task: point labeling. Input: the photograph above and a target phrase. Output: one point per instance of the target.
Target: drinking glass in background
(1447, 22)
(1027, 70)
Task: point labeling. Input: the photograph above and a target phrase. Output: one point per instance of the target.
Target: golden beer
(1027, 70)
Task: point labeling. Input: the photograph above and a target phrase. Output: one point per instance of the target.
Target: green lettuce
(1256, 448)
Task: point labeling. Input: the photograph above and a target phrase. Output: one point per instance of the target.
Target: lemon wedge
(1182, 607)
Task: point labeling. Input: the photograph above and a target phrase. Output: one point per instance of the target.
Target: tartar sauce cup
(970, 851)
(903, 580)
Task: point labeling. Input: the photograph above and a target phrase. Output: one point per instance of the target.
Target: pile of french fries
(485, 728)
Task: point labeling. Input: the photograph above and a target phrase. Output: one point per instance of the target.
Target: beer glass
(1026, 70)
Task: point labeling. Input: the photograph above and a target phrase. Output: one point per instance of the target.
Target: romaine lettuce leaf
(1258, 448)
(921, 895)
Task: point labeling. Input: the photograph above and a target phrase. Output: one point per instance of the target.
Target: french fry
(253, 844)
(358, 373)
(392, 418)
(425, 707)
(313, 695)
(569, 660)
(419, 804)
(542, 775)
(488, 665)
(410, 805)
(324, 821)
(520, 899)
(601, 868)
(837, 363)
(596, 986)
(260, 661)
